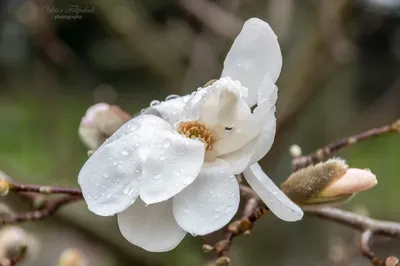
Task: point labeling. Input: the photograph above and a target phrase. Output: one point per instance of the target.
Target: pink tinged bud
(101, 121)
(72, 257)
(353, 181)
(330, 182)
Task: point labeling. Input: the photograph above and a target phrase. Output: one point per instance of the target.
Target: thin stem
(327, 151)
(45, 189)
(49, 208)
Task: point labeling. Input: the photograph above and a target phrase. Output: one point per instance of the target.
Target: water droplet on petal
(186, 210)
(154, 103)
(124, 153)
(172, 96)
(162, 157)
(166, 143)
(157, 176)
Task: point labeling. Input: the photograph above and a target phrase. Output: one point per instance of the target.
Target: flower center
(196, 130)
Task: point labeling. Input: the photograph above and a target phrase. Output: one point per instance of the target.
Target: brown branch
(49, 208)
(356, 221)
(44, 189)
(327, 151)
(252, 213)
(368, 253)
(366, 225)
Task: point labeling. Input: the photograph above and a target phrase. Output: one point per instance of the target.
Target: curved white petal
(240, 159)
(273, 197)
(254, 55)
(173, 163)
(265, 139)
(225, 103)
(109, 180)
(110, 177)
(210, 202)
(137, 122)
(244, 132)
(151, 227)
(169, 110)
(260, 125)
(267, 91)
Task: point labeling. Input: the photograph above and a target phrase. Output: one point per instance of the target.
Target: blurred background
(341, 75)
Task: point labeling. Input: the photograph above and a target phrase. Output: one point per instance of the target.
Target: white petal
(210, 202)
(135, 123)
(265, 139)
(254, 55)
(273, 197)
(240, 159)
(244, 132)
(110, 177)
(173, 163)
(267, 91)
(151, 227)
(169, 110)
(225, 104)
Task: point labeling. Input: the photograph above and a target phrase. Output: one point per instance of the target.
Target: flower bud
(101, 121)
(4, 187)
(328, 182)
(295, 150)
(223, 261)
(13, 241)
(72, 257)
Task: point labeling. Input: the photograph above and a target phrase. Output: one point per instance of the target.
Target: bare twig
(327, 151)
(242, 226)
(356, 221)
(45, 189)
(49, 208)
(367, 226)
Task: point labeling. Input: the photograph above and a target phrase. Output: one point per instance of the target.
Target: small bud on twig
(4, 187)
(207, 248)
(13, 242)
(295, 150)
(101, 121)
(223, 261)
(72, 257)
(328, 182)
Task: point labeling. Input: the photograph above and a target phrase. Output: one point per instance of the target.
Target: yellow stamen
(196, 130)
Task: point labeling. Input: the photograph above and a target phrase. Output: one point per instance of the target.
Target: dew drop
(162, 157)
(124, 153)
(157, 176)
(186, 210)
(171, 97)
(166, 143)
(154, 103)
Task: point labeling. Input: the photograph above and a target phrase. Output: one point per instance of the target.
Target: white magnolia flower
(171, 170)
